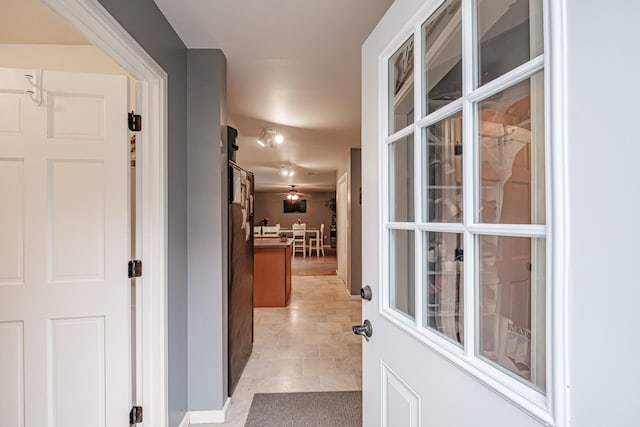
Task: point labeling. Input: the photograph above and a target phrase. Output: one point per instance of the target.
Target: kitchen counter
(272, 272)
(271, 242)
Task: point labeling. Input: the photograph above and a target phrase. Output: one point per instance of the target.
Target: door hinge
(135, 122)
(135, 416)
(135, 268)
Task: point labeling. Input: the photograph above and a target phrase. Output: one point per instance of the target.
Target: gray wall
(354, 212)
(144, 21)
(207, 171)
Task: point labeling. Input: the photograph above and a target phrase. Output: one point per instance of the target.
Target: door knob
(366, 330)
(365, 293)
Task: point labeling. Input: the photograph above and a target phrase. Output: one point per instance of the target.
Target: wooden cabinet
(272, 272)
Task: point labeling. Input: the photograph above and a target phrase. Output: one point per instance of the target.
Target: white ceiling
(291, 64)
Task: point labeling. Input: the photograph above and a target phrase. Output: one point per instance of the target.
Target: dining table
(309, 231)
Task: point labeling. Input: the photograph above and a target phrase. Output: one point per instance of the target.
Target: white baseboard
(185, 421)
(206, 417)
(352, 297)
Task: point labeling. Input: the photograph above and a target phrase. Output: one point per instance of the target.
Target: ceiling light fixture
(293, 194)
(270, 137)
(286, 171)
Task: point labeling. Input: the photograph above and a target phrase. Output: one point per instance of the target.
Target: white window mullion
(508, 79)
(539, 360)
(515, 230)
(469, 52)
(468, 156)
(385, 271)
(440, 114)
(383, 185)
(399, 226)
(470, 276)
(418, 164)
(442, 227)
(419, 276)
(398, 135)
(418, 73)
(418, 241)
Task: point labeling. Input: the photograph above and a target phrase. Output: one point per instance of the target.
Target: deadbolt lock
(365, 293)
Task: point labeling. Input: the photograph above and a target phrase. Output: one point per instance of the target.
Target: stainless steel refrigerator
(240, 286)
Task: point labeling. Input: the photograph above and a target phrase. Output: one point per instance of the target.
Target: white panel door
(64, 246)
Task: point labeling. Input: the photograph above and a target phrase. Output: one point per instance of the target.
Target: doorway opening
(307, 346)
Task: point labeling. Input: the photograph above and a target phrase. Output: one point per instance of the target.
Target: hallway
(307, 346)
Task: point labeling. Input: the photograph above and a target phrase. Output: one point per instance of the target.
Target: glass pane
(509, 34)
(444, 284)
(512, 305)
(401, 88)
(511, 137)
(401, 180)
(443, 56)
(402, 293)
(442, 168)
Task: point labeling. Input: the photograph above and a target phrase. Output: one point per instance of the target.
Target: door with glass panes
(454, 207)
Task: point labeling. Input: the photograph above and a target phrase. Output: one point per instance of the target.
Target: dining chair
(317, 242)
(299, 235)
(270, 230)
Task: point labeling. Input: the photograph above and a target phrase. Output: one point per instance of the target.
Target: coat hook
(36, 92)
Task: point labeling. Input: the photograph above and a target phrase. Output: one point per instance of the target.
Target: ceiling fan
(293, 194)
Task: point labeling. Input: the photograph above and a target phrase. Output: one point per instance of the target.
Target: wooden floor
(307, 346)
(315, 265)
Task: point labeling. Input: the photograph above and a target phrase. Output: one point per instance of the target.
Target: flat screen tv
(291, 206)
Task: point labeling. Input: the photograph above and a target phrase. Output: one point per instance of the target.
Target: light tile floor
(307, 346)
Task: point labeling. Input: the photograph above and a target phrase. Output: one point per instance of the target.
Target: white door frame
(91, 20)
(342, 228)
